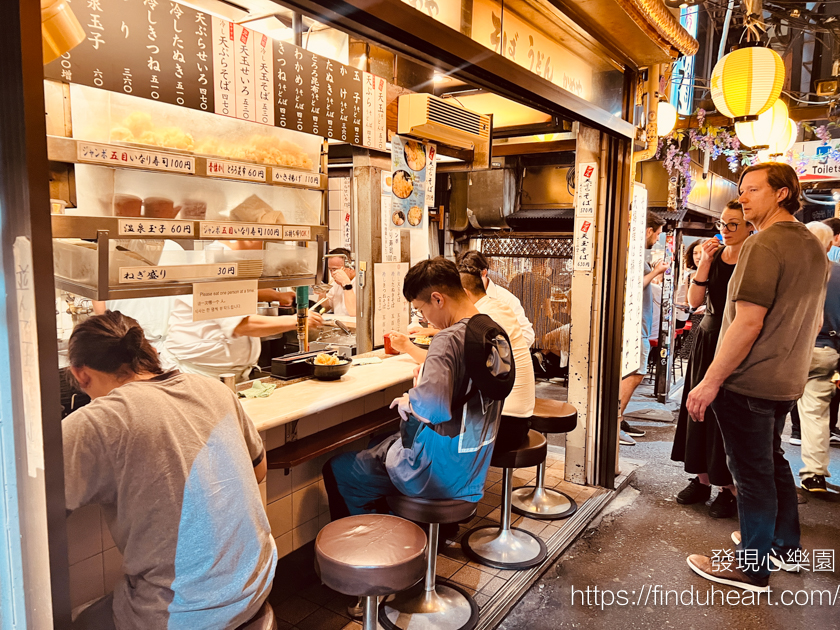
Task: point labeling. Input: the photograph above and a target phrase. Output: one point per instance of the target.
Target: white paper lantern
(767, 130)
(666, 118)
(747, 82)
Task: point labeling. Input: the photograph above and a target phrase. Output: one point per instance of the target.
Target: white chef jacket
(207, 347)
(336, 297)
(520, 401)
(503, 295)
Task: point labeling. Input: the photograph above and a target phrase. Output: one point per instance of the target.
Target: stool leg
(540, 502)
(504, 547)
(430, 605)
(371, 613)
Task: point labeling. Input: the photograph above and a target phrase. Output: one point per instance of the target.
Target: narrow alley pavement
(636, 551)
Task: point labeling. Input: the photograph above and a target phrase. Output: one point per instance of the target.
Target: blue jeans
(358, 483)
(767, 503)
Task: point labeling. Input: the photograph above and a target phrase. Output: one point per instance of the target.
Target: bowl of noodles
(402, 186)
(422, 341)
(415, 155)
(329, 367)
(398, 218)
(415, 215)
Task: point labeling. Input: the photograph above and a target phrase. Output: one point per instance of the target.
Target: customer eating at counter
(449, 418)
(174, 462)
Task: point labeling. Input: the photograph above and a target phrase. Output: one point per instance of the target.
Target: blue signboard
(682, 81)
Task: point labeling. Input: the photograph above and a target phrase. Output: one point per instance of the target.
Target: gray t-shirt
(784, 269)
(170, 460)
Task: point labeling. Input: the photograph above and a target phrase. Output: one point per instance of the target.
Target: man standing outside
(819, 390)
(763, 355)
(631, 382)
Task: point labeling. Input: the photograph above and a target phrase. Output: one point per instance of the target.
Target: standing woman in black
(699, 444)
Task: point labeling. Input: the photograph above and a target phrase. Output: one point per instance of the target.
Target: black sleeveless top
(719, 275)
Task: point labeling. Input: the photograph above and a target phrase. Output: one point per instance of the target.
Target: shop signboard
(631, 355)
(390, 311)
(409, 159)
(816, 161)
(682, 81)
(169, 52)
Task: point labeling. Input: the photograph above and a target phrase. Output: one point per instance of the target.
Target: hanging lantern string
(752, 20)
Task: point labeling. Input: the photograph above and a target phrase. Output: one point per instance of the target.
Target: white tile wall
(86, 580)
(84, 534)
(306, 504)
(277, 485)
(305, 533)
(112, 568)
(280, 516)
(284, 545)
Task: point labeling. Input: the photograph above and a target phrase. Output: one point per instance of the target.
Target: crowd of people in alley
(766, 349)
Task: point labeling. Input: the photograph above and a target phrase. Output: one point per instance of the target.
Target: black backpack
(488, 354)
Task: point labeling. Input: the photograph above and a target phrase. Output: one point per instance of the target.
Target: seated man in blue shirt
(446, 436)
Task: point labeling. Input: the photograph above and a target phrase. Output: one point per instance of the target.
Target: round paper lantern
(666, 118)
(768, 129)
(747, 82)
(782, 144)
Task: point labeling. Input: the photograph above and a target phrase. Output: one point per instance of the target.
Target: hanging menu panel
(155, 49)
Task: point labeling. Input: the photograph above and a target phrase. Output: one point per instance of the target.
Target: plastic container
(389, 349)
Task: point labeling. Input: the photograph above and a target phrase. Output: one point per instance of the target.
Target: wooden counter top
(299, 399)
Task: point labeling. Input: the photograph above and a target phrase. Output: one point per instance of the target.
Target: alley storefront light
(782, 144)
(746, 82)
(767, 131)
(666, 118)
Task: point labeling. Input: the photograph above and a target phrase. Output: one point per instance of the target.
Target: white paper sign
(236, 170)
(631, 354)
(586, 190)
(295, 178)
(431, 171)
(379, 109)
(584, 243)
(264, 78)
(243, 45)
(369, 110)
(160, 227)
(224, 74)
(390, 310)
(28, 346)
(297, 233)
(346, 225)
(215, 229)
(172, 273)
(213, 300)
(110, 155)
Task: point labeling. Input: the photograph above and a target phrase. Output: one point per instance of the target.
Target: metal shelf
(167, 288)
(69, 226)
(66, 150)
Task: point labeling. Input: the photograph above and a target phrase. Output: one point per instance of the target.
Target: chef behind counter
(212, 347)
(341, 298)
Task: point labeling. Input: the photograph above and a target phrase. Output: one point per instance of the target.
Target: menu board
(585, 199)
(409, 159)
(390, 311)
(165, 51)
(631, 346)
(390, 233)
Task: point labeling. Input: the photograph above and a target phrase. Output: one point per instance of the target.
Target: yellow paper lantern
(782, 144)
(666, 118)
(767, 130)
(747, 82)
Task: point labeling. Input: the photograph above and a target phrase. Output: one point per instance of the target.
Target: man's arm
(350, 301)
(736, 345)
(658, 269)
(261, 469)
(266, 325)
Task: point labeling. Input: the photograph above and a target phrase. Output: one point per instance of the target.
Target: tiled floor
(301, 602)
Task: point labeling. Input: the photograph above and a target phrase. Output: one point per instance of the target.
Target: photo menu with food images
(168, 52)
(409, 161)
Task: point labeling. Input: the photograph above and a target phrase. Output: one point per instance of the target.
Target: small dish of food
(329, 367)
(398, 217)
(421, 341)
(415, 215)
(402, 184)
(415, 155)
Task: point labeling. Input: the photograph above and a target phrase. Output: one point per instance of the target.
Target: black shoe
(724, 505)
(834, 436)
(631, 430)
(795, 437)
(694, 492)
(814, 484)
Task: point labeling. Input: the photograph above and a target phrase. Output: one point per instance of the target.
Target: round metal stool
(370, 555)
(506, 547)
(432, 603)
(537, 501)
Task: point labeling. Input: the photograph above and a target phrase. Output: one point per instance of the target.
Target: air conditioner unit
(439, 120)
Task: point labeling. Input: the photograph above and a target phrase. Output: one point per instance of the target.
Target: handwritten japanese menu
(165, 51)
(585, 200)
(631, 346)
(390, 311)
(409, 159)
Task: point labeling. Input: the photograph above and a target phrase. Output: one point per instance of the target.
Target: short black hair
(437, 274)
(473, 258)
(689, 253)
(654, 221)
(471, 279)
(834, 224)
(340, 251)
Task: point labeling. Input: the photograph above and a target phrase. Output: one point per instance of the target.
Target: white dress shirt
(520, 401)
(207, 347)
(498, 293)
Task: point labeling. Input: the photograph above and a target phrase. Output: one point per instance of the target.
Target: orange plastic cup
(388, 348)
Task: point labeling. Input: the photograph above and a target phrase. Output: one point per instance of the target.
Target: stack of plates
(249, 268)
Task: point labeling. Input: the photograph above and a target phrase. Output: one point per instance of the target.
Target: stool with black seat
(263, 620)
(503, 546)
(431, 604)
(370, 555)
(537, 501)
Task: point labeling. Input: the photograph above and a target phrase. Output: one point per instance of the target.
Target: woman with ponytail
(174, 463)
